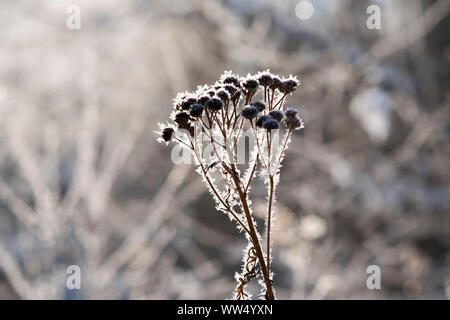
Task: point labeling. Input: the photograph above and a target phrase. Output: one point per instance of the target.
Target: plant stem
(269, 218)
(251, 174)
(254, 237)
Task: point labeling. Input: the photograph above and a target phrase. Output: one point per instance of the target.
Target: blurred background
(84, 182)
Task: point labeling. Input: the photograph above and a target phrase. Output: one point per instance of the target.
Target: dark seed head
(277, 115)
(290, 112)
(276, 83)
(250, 85)
(260, 105)
(223, 94)
(214, 104)
(271, 124)
(232, 90)
(294, 122)
(182, 119)
(289, 85)
(231, 80)
(186, 104)
(265, 79)
(261, 120)
(203, 99)
(167, 134)
(249, 112)
(211, 93)
(196, 110)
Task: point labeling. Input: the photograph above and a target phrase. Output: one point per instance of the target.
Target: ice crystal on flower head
(229, 78)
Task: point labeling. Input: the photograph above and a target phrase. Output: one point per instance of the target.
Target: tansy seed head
(186, 104)
(260, 105)
(223, 94)
(271, 124)
(289, 85)
(196, 110)
(265, 79)
(290, 112)
(261, 120)
(167, 134)
(232, 90)
(249, 112)
(214, 104)
(276, 83)
(250, 85)
(182, 119)
(232, 80)
(294, 122)
(203, 99)
(277, 115)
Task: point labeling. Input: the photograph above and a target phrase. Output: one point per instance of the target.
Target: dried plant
(212, 124)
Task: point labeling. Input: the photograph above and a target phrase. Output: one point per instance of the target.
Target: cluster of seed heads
(206, 101)
(220, 112)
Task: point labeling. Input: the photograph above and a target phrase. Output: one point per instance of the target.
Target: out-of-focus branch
(86, 140)
(12, 270)
(419, 134)
(407, 35)
(18, 206)
(117, 160)
(157, 208)
(30, 169)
